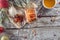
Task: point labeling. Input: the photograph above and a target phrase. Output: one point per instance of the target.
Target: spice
(49, 3)
(34, 32)
(59, 2)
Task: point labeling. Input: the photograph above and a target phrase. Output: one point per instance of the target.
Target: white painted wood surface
(40, 34)
(43, 28)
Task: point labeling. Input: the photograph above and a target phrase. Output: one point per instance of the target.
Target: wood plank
(39, 34)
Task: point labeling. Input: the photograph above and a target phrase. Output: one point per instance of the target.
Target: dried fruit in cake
(30, 15)
(18, 18)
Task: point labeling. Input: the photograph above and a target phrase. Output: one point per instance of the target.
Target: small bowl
(48, 7)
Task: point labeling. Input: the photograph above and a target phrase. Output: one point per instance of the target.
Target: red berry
(3, 4)
(1, 29)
